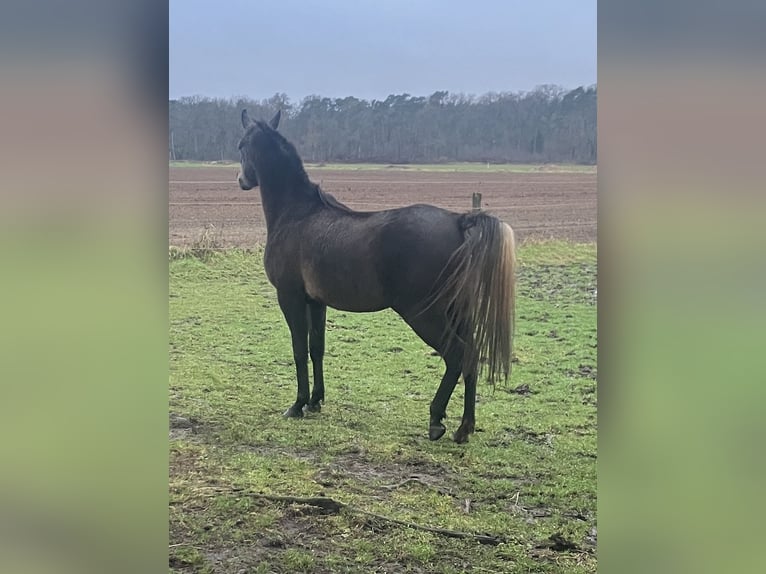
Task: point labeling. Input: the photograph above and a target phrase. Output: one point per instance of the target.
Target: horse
(450, 276)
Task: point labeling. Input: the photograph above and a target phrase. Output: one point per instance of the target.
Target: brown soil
(538, 205)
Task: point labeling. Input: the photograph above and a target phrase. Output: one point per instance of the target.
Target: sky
(370, 49)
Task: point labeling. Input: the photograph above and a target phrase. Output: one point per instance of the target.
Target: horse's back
(367, 261)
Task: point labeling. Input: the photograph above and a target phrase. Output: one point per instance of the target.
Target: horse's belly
(357, 306)
(349, 297)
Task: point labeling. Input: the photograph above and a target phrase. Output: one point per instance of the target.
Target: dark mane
(329, 200)
(287, 152)
(275, 144)
(295, 164)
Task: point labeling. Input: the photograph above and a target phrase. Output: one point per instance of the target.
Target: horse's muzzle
(243, 183)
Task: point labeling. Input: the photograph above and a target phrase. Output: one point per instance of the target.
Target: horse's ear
(274, 123)
(245, 119)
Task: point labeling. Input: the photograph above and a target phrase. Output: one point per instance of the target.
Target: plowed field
(537, 204)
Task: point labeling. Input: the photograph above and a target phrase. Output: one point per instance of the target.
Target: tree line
(548, 124)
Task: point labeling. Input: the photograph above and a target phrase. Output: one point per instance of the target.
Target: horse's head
(247, 177)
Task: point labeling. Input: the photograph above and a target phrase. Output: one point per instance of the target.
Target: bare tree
(548, 124)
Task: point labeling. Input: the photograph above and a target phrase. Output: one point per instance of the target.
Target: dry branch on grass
(332, 506)
(419, 480)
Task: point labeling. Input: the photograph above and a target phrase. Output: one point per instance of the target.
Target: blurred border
(682, 279)
(83, 355)
(83, 239)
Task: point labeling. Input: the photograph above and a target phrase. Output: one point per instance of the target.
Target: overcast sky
(370, 49)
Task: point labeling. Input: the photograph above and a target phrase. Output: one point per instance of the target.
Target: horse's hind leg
(317, 319)
(439, 405)
(431, 327)
(293, 307)
(468, 424)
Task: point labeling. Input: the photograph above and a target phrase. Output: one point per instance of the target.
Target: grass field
(466, 167)
(527, 477)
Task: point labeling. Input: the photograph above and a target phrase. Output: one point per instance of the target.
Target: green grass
(185, 163)
(529, 471)
(459, 167)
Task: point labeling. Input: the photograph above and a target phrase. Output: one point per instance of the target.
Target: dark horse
(449, 276)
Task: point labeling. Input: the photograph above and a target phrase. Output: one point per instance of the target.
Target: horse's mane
(289, 151)
(329, 200)
(286, 148)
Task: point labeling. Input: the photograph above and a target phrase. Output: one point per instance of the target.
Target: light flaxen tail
(479, 290)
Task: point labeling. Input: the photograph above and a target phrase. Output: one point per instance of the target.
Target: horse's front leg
(317, 319)
(293, 305)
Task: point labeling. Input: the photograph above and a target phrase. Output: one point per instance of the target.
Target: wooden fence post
(476, 201)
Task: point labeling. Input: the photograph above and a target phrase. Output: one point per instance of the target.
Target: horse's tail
(479, 290)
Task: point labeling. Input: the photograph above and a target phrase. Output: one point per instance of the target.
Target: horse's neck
(280, 201)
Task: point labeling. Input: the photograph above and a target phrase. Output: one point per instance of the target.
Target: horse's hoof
(435, 432)
(313, 407)
(462, 432)
(293, 413)
(460, 436)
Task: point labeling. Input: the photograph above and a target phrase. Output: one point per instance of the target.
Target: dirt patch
(573, 283)
(355, 471)
(584, 371)
(538, 205)
(522, 390)
(294, 531)
(510, 435)
(556, 544)
(385, 476)
(184, 428)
